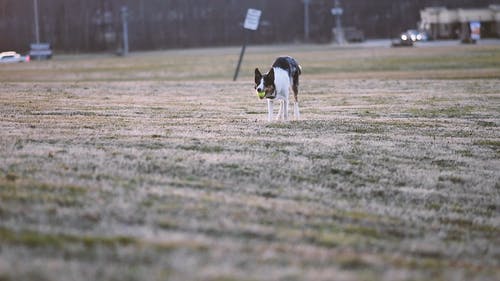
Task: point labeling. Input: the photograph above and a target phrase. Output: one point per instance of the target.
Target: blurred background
(72, 26)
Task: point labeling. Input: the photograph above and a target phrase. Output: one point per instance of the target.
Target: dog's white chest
(282, 82)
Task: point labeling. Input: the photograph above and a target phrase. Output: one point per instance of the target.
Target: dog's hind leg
(280, 111)
(296, 112)
(283, 110)
(269, 110)
(295, 88)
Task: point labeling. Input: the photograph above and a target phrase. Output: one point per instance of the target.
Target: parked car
(13, 57)
(414, 35)
(352, 34)
(404, 40)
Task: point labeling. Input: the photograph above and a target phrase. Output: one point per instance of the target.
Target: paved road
(387, 43)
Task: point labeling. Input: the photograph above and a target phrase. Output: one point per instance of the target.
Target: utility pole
(306, 20)
(337, 11)
(125, 30)
(37, 29)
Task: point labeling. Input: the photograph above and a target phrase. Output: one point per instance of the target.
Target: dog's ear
(270, 77)
(258, 76)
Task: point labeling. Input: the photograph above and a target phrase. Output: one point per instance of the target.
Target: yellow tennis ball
(261, 94)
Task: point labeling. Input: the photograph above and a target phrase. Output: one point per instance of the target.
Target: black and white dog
(276, 84)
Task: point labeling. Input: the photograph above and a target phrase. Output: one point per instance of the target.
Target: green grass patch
(352, 262)
(203, 148)
(487, 124)
(443, 112)
(495, 144)
(29, 192)
(447, 163)
(33, 239)
(195, 182)
(453, 179)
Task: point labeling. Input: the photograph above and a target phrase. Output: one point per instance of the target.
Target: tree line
(95, 25)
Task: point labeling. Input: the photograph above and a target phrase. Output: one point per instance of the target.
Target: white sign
(252, 19)
(475, 30)
(337, 11)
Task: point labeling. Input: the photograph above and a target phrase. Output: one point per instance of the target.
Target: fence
(94, 25)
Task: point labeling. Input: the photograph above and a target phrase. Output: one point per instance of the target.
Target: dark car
(352, 34)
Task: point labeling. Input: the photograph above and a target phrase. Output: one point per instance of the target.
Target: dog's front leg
(269, 110)
(280, 111)
(285, 109)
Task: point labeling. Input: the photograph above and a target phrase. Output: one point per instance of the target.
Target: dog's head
(265, 83)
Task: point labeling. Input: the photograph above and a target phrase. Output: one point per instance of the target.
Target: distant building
(442, 23)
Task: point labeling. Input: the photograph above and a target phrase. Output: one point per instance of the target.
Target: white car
(12, 57)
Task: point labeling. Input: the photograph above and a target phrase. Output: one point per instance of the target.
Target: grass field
(158, 167)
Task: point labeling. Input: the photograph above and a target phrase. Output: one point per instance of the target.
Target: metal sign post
(306, 20)
(125, 30)
(251, 23)
(37, 29)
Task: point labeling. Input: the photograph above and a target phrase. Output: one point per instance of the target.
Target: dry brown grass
(156, 167)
